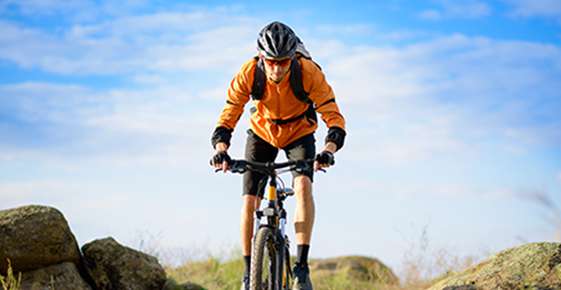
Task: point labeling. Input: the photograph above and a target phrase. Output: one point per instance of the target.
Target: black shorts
(258, 150)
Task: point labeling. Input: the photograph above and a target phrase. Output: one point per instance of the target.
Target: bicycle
(270, 264)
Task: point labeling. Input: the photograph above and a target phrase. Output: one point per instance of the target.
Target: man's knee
(250, 203)
(302, 180)
(302, 185)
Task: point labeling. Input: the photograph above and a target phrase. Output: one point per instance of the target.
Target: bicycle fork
(276, 220)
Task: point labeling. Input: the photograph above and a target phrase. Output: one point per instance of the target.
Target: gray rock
(116, 267)
(531, 266)
(33, 237)
(172, 285)
(354, 268)
(63, 276)
(190, 286)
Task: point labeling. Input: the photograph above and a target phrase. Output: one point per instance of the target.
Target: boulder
(115, 267)
(63, 276)
(353, 268)
(33, 237)
(172, 285)
(532, 266)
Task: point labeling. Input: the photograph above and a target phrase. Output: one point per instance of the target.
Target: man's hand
(221, 159)
(325, 158)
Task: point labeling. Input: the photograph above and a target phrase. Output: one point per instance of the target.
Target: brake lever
(307, 167)
(238, 170)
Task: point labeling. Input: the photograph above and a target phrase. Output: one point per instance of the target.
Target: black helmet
(277, 40)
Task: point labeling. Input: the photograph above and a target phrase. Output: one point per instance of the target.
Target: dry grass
(210, 273)
(421, 267)
(551, 213)
(10, 281)
(214, 274)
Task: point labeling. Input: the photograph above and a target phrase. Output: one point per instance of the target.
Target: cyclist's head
(277, 41)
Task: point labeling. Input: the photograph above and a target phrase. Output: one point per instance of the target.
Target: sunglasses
(281, 62)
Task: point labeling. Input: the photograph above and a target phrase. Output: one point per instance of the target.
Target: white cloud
(536, 8)
(360, 30)
(401, 86)
(47, 102)
(437, 93)
(470, 9)
(430, 14)
(73, 11)
(163, 41)
(45, 191)
(423, 100)
(165, 112)
(47, 7)
(118, 128)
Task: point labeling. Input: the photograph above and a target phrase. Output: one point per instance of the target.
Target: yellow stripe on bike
(272, 193)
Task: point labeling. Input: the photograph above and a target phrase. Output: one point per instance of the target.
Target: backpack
(260, 81)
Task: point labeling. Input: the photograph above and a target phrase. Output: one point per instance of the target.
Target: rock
(116, 267)
(172, 285)
(191, 286)
(33, 237)
(354, 268)
(63, 276)
(463, 287)
(531, 266)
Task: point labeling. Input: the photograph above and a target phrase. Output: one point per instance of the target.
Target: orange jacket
(279, 102)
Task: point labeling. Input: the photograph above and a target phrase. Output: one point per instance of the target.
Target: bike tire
(286, 271)
(264, 261)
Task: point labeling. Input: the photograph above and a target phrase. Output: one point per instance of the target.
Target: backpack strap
(296, 82)
(259, 80)
(298, 89)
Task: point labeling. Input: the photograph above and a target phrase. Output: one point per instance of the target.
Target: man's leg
(256, 149)
(301, 149)
(250, 203)
(305, 209)
(246, 231)
(303, 224)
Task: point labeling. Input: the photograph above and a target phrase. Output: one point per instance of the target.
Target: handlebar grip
(238, 166)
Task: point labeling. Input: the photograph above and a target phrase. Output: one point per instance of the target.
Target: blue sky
(106, 109)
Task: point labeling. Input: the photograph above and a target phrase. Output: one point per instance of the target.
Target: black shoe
(302, 278)
(245, 283)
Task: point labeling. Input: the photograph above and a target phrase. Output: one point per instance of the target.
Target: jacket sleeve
(322, 95)
(237, 96)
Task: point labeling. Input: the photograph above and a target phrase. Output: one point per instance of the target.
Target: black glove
(325, 157)
(220, 157)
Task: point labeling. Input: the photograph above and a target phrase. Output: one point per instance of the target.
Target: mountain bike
(270, 257)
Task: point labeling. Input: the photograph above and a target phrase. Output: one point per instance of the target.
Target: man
(284, 118)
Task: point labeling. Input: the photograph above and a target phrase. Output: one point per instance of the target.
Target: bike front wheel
(266, 262)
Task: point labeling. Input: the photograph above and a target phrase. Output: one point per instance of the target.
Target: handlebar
(269, 168)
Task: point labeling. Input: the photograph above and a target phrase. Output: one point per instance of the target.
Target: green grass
(341, 281)
(213, 274)
(210, 273)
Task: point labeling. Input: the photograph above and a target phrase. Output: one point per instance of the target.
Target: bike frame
(276, 220)
(275, 215)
